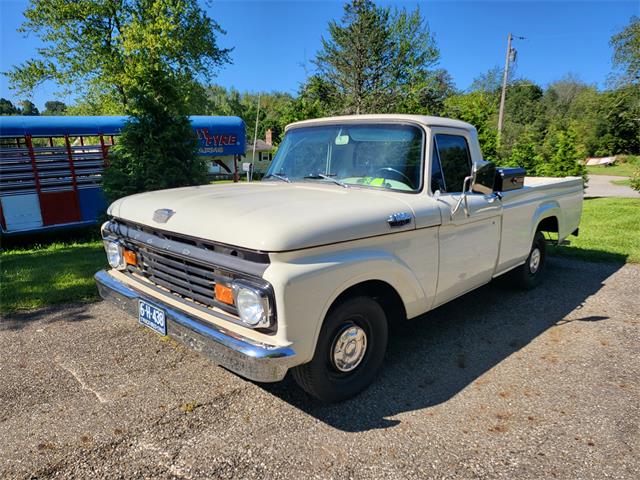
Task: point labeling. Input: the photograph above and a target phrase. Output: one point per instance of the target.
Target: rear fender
(549, 208)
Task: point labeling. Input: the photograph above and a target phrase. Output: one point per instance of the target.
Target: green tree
(273, 105)
(489, 81)
(157, 148)
(428, 95)
(54, 107)
(619, 121)
(564, 158)
(27, 107)
(480, 109)
(373, 59)
(523, 107)
(524, 154)
(312, 102)
(100, 45)
(7, 108)
(626, 52)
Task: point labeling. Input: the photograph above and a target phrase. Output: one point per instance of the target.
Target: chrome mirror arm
(463, 198)
(457, 207)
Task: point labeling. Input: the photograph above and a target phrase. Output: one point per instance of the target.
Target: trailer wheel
(349, 352)
(530, 274)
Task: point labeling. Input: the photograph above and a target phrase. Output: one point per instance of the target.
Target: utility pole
(511, 56)
(255, 140)
(505, 79)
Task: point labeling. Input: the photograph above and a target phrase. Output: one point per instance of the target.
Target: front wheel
(349, 352)
(529, 275)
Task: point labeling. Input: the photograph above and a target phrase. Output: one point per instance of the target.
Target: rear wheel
(530, 274)
(349, 352)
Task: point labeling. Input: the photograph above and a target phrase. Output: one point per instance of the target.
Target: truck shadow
(434, 357)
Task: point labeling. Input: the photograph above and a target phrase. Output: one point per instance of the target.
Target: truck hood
(268, 216)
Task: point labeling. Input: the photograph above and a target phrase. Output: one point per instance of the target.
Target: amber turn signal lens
(130, 257)
(224, 294)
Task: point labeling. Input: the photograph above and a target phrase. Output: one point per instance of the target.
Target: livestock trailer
(51, 166)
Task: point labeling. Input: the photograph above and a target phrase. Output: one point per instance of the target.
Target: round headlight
(251, 306)
(114, 254)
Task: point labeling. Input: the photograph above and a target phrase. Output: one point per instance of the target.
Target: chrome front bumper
(252, 360)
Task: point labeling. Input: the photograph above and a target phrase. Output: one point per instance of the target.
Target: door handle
(399, 219)
(493, 197)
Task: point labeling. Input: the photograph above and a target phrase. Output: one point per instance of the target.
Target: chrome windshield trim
(337, 121)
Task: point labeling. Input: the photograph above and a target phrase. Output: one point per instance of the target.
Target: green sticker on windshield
(342, 139)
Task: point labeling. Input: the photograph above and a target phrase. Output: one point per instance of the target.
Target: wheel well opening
(549, 224)
(380, 291)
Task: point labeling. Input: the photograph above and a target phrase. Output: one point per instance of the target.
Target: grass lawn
(609, 232)
(35, 277)
(625, 169)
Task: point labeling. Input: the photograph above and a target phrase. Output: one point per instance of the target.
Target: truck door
(468, 241)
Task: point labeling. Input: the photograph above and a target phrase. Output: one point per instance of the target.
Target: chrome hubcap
(534, 260)
(349, 348)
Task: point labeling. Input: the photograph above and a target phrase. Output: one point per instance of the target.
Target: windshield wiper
(327, 177)
(279, 177)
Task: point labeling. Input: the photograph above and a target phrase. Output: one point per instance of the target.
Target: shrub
(523, 154)
(157, 148)
(564, 159)
(635, 180)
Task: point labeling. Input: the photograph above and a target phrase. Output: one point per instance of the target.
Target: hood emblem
(162, 215)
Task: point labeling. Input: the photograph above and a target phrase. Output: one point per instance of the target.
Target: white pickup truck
(360, 222)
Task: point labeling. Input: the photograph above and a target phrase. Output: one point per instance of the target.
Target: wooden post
(105, 150)
(34, 166)
(235, 168)
(72, 167)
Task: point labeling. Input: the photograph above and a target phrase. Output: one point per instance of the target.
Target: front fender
(307, 287)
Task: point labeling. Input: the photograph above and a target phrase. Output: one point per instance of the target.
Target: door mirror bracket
(463, 198)
(481, 180)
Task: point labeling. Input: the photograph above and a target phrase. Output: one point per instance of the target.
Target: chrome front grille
(189, 268)
(186, 267)
(182, 277)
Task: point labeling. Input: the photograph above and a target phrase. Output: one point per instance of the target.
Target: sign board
(246, 166)
(220, 140)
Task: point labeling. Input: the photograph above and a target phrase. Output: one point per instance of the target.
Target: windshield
(376, 156)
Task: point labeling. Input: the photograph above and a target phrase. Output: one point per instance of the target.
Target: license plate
(152, 317)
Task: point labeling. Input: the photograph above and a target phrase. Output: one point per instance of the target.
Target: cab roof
(425, 120)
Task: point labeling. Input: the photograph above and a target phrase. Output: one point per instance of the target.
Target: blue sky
(274, 40)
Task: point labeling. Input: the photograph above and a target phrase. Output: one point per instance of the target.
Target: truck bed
(540, 197)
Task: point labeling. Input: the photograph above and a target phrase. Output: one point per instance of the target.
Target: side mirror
(483, 175)
(481, 180)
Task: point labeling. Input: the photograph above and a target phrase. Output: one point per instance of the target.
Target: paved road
(601, 186)
(499, 384)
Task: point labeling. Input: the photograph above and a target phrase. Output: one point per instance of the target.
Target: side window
(437, 180)
(455, 160)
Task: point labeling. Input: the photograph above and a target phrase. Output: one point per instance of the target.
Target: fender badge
(162, 215)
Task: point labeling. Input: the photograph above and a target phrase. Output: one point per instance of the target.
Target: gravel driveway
(601, 186)
(499, 384)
